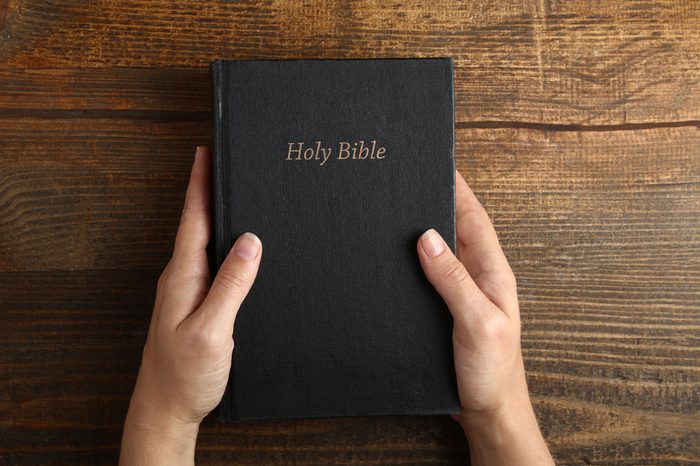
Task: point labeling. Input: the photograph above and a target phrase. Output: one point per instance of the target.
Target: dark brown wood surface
(578, 126)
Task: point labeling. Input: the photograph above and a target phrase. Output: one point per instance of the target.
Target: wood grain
(96, 194)
(577, 127)
(118, 180)
(73, 380)
(556, 62)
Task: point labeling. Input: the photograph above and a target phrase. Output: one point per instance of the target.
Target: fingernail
(432, 243)
(199, 151)
(247, 246)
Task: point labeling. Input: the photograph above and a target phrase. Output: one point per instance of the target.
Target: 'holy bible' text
(344, 151)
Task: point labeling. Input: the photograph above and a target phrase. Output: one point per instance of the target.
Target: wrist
(506, 430)
(145, 415)
(496, 427)
(508, 434)
(153, 433)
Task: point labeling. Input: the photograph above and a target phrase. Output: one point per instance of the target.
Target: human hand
(187, 357)
(479, 288)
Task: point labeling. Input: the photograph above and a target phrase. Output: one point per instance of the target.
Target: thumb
(232, 282)
(450, 278)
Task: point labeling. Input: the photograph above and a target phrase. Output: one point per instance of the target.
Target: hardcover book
(338, 166)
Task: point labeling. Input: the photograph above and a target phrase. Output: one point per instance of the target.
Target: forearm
(510, 437)
(151, 438)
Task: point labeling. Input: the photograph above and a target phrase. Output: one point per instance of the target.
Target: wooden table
(578, 128)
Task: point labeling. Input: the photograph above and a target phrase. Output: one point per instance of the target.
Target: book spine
(453, 233)
(220, 143)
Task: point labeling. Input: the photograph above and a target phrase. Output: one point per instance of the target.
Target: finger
(193, 233)
(231, 285)
(451, 279)
(480, 250)
(184, 282)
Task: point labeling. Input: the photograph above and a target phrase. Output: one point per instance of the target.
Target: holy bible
(338, 166)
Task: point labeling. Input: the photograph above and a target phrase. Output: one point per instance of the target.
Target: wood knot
(4, 35)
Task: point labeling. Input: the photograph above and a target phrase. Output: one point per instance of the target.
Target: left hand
(187, 356)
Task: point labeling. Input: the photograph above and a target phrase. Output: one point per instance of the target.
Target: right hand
(479, 288)
(187, 357)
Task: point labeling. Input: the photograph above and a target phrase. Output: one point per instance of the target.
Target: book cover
(338, 166)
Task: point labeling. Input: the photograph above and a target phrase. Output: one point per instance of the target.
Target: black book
(338, 166)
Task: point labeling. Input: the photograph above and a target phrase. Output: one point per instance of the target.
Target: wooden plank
(95, 194)
(70, 346)
(599, 434)
(138, 93)
(592, 63)
(184, 94)
(107, 194)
